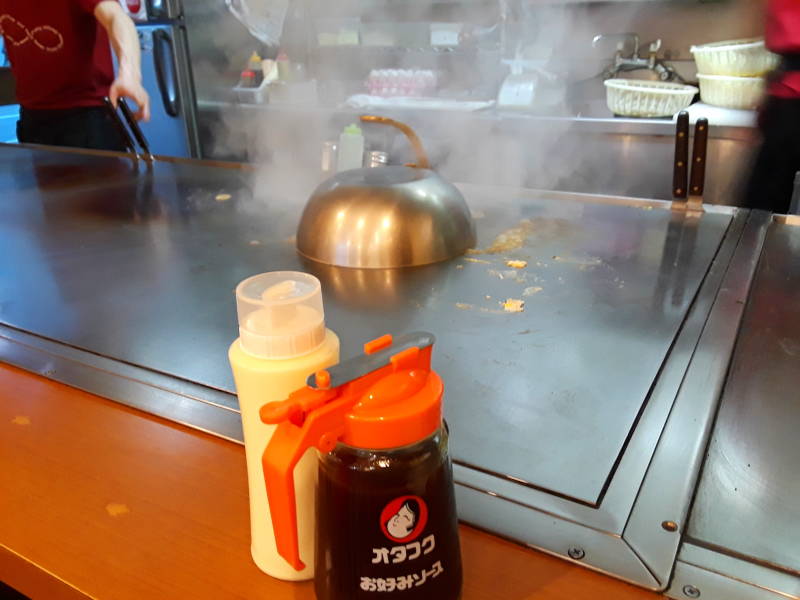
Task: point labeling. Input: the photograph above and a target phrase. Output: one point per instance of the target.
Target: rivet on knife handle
(680, 173)
(699, 155)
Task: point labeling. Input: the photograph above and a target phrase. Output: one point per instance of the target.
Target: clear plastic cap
(280, 314)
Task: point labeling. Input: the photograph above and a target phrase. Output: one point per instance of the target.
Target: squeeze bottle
(350, 153)
(282, 339)
(386, 511)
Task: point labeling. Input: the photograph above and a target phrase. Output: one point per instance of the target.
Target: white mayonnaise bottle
(282, 340)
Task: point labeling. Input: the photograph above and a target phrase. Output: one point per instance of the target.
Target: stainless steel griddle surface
(748, 499)
(141, 267)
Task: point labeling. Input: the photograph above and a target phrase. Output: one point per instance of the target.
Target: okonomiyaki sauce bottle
(385, 505)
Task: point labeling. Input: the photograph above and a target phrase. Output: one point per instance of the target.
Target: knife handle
(680, 173)
(697, 181)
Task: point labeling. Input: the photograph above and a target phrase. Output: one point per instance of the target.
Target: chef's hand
(129, 87)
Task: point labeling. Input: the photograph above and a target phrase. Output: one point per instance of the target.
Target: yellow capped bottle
(282, 340)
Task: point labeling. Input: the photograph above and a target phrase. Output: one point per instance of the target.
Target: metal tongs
(687, 191)
(133, 127)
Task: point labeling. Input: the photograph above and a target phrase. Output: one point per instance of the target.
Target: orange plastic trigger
(378, 344)
(274, 412)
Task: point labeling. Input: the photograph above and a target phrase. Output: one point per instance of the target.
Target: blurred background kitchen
(503, 92)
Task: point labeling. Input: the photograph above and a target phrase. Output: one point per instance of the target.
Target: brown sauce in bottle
(387, 525)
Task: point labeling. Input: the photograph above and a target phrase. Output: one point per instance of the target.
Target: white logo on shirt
(44, 37)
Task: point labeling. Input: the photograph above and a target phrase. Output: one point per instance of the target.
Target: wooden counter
(101, 501)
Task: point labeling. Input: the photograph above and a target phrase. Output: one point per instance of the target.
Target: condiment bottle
(248, 79)
(254, 66)
(350, 151)
(386, 514)
(282, 339)
(254, 62)
(282, 61)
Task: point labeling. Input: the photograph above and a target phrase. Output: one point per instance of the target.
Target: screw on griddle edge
(691, 591)
(576, 553)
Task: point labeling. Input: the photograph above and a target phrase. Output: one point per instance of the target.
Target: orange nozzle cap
(388, 398)
(323, 380)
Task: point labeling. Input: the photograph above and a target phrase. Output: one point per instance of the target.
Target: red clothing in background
(59, 53)
(783, 37)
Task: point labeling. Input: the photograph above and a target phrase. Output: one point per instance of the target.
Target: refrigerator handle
(166, 73)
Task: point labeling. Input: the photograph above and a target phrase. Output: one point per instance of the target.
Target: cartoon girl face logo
(404, 518)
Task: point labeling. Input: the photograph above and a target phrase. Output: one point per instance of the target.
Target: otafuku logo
(404, 518)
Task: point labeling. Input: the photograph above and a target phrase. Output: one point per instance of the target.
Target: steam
(488, 147)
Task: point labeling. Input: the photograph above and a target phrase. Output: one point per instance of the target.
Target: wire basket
(735, 58)
(636, 98)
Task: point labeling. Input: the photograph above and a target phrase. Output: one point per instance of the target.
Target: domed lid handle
(416, 144)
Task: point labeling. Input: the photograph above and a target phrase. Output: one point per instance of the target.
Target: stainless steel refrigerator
(167, 76)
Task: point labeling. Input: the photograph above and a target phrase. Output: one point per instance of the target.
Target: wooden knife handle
(680, 173)
(697, 181)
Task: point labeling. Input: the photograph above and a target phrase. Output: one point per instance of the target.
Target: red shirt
(783, 37)
(59, 52)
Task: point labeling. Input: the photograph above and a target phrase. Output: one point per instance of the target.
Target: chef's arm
(125, 40)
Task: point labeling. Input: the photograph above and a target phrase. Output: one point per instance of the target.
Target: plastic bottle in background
(269, 69)
(282, 340)
(350, 151)
(254, 62)
(254, 73)
(284, 68)
(248, 79)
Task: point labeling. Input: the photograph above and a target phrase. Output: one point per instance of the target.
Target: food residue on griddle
(511, 239)
(517, 264)
(516, 237)
(513, 305)
(479, 261)
(512, 275)
(483, 309)
(530, 291)
(589, 261)
(222, 197)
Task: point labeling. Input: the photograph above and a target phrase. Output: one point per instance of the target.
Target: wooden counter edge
(104, 501)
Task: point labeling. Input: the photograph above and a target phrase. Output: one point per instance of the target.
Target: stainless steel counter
(564, 417)
(745, 521)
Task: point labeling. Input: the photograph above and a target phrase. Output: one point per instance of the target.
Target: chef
(61, 60)
(778, 160)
